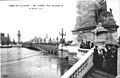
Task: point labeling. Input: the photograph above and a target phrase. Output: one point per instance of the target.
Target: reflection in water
(25, 63)
(63, 66)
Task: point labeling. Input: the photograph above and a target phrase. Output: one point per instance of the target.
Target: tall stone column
(19, 37)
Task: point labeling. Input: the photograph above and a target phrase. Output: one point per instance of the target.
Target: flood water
(26, 63)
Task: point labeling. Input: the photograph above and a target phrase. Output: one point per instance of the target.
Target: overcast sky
(48, 20)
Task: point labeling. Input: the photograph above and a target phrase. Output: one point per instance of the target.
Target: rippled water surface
(25, 63)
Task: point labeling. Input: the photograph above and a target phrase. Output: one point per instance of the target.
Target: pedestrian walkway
(98, 73)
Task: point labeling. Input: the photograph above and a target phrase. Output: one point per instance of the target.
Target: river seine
(26, 63)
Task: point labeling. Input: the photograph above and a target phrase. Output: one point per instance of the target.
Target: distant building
(4, 40)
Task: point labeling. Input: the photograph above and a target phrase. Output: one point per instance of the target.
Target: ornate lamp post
(62, 40)
(62, 34)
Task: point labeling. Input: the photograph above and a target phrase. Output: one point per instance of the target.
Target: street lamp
(62, 34)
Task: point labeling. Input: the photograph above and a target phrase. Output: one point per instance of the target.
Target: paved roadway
(25, 63)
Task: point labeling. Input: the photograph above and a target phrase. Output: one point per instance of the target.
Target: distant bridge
(51, 48)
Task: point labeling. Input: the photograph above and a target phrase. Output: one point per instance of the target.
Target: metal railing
(80, 68)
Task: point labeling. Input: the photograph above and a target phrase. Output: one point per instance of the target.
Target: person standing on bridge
(108, 57)
(95, 58)
(113, 61)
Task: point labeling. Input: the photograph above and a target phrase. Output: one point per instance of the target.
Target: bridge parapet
(40, 45)
(51, 48)
(79, 69)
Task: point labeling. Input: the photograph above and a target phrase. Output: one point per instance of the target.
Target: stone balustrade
(80, 68)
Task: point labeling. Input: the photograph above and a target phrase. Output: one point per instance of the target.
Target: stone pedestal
(60, 54)
(100, 39)
(100, 35)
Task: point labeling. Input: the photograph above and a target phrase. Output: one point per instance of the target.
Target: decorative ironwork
(62, 34)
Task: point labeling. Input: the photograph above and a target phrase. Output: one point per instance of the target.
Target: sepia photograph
(60, 38)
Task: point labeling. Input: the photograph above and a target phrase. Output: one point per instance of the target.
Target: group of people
(86, 45)
(106, 57)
